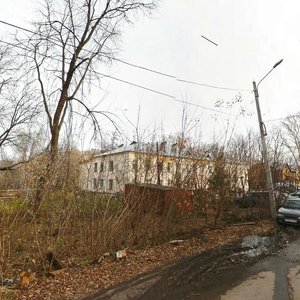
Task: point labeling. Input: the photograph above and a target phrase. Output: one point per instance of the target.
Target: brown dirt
(75, 282)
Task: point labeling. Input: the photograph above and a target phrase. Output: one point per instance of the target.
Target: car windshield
(292, 204)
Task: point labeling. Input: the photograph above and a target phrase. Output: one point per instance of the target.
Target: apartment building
(154, 163)
(161, 164)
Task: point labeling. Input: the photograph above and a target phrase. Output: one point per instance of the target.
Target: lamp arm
(264, 77)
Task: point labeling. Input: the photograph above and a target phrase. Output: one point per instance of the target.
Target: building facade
(159, 164)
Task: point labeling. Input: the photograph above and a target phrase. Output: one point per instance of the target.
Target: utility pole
(263, 134)
(158, 164)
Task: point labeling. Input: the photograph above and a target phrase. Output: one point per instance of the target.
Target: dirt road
(254, 268)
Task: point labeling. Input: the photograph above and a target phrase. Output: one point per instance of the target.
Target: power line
(177, 79)
(212, 86)
(164, 94)
(137, 66)
(274, 120)
(138, 86)
(279, 119)
(14, 45)
(204, 107)
(142, 67)
(16, 26)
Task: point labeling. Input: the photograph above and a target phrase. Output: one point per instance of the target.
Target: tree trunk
(45, 178)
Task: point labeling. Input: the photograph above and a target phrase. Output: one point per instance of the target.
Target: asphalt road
(275, 277)
(238, 271)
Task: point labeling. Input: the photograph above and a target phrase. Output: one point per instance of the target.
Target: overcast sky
(251, 37)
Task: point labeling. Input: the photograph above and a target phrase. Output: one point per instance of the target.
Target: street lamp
(263, 134)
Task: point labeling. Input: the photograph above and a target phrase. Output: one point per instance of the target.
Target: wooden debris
(176, 242)
(121, 254)
(53, 262)
(57, 272)
(25, 278)
(242, 224)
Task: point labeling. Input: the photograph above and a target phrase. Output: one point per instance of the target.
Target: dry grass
(78, 281)
(80, 228)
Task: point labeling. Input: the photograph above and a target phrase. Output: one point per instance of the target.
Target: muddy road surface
(257, 267)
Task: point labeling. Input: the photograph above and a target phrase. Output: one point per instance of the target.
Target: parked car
(280, 197)
(285, 187)
(289, 212)
(252, 199)
(296, 194)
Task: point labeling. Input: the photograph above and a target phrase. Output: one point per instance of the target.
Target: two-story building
(152, 163)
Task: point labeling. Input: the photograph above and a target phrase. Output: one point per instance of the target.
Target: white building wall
(109, 172)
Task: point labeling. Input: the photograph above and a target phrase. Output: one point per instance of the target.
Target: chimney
(162, 146)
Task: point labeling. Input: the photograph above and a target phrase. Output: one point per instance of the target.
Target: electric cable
(142, 67)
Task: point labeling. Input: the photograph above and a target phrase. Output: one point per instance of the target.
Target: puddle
(255, 245)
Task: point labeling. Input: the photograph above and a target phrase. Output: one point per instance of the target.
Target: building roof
(163, 148)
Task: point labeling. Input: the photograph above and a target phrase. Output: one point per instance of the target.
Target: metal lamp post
(263, 134)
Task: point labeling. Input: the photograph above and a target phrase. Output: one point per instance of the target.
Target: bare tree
(72, 39)
(277, 153)
(291, 137)
(16, 111)
(17, 103)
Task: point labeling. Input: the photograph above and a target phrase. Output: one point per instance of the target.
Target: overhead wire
(178, 79)
(140, 86)
(213, 86)
(14, 45)
(16, 26)
(274, 120)
(143, 68)
(164, 94)
(279, 119)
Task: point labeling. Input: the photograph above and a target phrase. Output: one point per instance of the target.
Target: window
(162, 147)
(169, 167)
(173, 149)
(147, 165)
(95, 167)
(111, 165)
(101, 184)
(101, 166)
(95, 184)
(160, 166)
(134, 164)
(110, 184)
